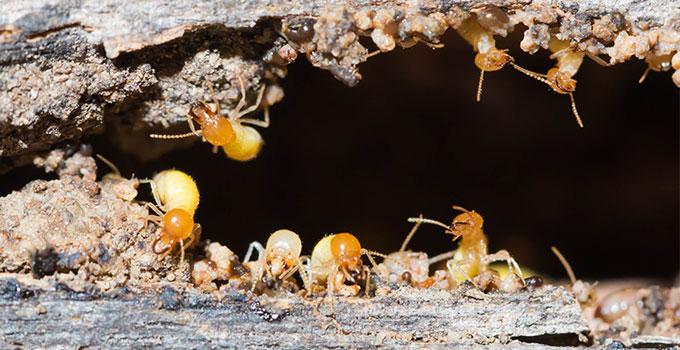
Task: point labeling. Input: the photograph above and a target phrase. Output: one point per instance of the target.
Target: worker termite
(617, 304)
(410, 267)
(125, 189)
(488, 58)
(279, 259)
(471, 259)
(336, 263)
(176, 196)
(239, 141)
(561, 77)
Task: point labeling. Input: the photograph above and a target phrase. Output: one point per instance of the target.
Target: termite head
(465, 223)
(177, 225)
(560, 81)
(492, 60)
(346, 251)
(216, 129)
(659, 63)
(282, 251)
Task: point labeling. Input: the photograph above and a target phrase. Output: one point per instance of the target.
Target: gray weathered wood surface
(405, 318)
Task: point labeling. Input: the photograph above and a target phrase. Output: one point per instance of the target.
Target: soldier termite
(472, 257)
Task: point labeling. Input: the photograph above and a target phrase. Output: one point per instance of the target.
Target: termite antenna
(459, 208)
(565, 263)
(598, 60)
(644, 75)
(479, 86)
(109, 163)
(174, 136)
(374, 53)
(573, 108)
(429, 221)
(417, 224)
(538, 76)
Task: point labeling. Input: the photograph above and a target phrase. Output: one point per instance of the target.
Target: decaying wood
(68, 68)
(59, 317)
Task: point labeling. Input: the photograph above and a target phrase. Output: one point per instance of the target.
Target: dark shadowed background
(411, 139)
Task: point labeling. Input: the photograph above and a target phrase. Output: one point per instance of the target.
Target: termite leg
(192, 127)
(213, 96)
(451, 265)
(441, 257)
(503, 255)
(255, 106)
(256, 246)
(181, 256)
(164, 250)
(242, 101)
(290, 271)
(367, 286)
(154, 191)
(369, 254)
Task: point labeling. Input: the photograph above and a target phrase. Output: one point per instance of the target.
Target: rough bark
(68, 68)
(171, 319)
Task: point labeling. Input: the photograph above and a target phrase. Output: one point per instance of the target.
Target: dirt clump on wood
(81, 230)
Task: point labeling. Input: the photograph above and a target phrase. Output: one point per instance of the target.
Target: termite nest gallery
(135, 243)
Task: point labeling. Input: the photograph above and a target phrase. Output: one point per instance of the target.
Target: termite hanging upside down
(488, 58)
(560, 78)
(472, 259)
(238, 140)
(336, 263)
(176, 196)
(279, 259)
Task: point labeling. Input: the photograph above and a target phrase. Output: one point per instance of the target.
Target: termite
(336, 263)
(176, 196)
(561, 77)
(238, 140)
(617, 304)
(488, 58)
(279, 259)
(125, 189)
(656, 63)
(411, 267)
(472, 257)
